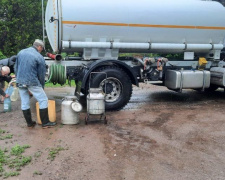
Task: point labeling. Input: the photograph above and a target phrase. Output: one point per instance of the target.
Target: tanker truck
(101, 30)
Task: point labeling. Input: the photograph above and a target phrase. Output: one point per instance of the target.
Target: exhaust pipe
(56, 57)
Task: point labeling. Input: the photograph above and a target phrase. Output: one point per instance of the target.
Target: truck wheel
(117, 86)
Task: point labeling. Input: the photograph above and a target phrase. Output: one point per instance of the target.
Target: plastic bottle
(9, 90)
(15, 94)
(7, 101)
(7, 105)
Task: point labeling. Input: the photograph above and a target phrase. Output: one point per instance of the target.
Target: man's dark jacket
(2, 79)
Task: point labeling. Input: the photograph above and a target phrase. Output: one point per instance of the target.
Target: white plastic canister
(68, 115)
(96, 101)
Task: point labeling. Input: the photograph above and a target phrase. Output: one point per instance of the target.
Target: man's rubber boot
(27, 116)
(45, 120)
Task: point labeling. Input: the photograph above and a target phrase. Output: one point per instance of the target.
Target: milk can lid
(76, 106)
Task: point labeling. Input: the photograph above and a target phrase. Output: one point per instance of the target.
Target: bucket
(68, 115)
(51, 111)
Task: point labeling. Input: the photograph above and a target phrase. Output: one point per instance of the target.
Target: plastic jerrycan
(7, 105)
(7, 101)
(15, 94)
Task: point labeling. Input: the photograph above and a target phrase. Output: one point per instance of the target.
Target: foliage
(142, 55)
(138, 55)
(73, 84)
(20, 25)
(173, 56)
(1, 55)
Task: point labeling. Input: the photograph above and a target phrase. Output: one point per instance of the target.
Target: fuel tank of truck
(143, 25)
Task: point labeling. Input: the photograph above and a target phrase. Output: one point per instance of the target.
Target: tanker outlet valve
(52, 19)
(56, 57)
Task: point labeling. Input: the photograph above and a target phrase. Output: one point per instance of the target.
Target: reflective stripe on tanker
(141, 25)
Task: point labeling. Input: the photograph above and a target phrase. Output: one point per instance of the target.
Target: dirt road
(159, 135)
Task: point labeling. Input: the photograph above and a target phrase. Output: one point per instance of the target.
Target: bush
(1, 55)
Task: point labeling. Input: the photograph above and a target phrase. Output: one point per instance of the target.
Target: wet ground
(159, 135)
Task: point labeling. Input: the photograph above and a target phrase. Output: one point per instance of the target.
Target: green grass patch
(19, 162)
(54, 151)
(37, 173)
(73, 84)
(8, 136)
(2, 131)
(18, 150)
(13, 160)
(37, 154)
(4, 135)
(10, 174)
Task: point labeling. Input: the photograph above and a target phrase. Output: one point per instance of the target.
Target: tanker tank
(137, 26)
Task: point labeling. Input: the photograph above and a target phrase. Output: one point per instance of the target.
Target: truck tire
(117, 86)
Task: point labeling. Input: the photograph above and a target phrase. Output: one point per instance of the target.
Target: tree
(20, 24)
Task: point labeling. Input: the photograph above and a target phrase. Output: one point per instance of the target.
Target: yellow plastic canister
(51, 111)
(202, 63)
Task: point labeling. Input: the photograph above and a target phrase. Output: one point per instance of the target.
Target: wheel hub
(109, 88)
(112, 87)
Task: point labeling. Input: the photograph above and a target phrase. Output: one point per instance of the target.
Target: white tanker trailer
(100, 30)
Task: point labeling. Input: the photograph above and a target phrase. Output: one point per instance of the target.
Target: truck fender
(105, 62)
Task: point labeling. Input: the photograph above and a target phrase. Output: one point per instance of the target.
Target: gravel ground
(159, 135)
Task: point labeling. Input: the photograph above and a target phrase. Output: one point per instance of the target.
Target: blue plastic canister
(7, 101)
(7, 105)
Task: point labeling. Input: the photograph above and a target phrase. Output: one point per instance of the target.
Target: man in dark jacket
(4, 71)
(10, 62)
(30, 72)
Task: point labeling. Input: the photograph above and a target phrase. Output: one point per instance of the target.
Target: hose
(57, 74)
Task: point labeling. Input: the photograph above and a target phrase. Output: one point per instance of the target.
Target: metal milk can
(96, 101)
(70, 109)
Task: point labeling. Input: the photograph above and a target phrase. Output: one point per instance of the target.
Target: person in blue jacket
(30, 72)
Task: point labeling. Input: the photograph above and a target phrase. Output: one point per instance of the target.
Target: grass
(73, 84)
(18, 150)
(37, 154)
(4, 135)
(2, 131)
(54, 151)
(37, 173)
(9, 136)
(19, 162)
(12, 159)
(10, 174)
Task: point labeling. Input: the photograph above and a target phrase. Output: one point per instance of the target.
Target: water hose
(57, 74)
